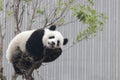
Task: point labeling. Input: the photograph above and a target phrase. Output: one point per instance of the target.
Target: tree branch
(56, 19)
(1, 42)
(62, 24)
(21, 16)
(2, 77)
(33, 15)
(16, 15)
(36, 65)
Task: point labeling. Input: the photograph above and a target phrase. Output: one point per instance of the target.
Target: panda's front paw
(58, 50)
(52, 54)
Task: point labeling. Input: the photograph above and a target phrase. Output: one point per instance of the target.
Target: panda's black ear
(53, 27)
(65, 41)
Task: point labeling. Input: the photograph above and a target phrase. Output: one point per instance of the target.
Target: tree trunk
(1, 55)
(2, 77)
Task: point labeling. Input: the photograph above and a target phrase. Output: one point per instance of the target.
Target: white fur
(18, 42)
(58, 36)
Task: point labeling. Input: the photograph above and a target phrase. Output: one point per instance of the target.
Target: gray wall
(95, 59)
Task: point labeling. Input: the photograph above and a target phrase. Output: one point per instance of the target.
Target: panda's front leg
(52, 54)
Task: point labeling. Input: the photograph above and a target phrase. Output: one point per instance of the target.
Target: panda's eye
(58, 42)
(51, 37)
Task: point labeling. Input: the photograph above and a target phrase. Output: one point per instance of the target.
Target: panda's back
(18, 41)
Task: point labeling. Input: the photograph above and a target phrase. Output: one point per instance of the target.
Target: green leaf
(79, 36)
(1, 5)
(40, 11)
(74, 8)
(62, 20)
(60, 3)
(81, 16)
(93, 11)
(91, 2)
(9, 13)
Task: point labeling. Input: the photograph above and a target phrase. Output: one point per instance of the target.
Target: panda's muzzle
(52, 44)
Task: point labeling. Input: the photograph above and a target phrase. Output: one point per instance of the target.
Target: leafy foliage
(94, 20)
(85, 14)
(91, 2)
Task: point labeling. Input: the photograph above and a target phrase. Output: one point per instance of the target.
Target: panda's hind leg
(15, 61)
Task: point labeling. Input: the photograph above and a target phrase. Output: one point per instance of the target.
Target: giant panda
(32, 43)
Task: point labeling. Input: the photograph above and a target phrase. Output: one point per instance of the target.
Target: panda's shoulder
(37, 33)
(35, 37)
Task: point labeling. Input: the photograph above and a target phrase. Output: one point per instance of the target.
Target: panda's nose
(53, 43)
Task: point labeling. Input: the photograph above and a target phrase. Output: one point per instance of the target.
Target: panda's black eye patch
(51, 37)
(58, 42)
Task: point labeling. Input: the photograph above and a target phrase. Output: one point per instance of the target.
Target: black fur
(65, 41)
(22, 62)
(52, 28)
(52, 54)
(34, 44)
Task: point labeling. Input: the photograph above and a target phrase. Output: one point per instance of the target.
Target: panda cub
(33, 43)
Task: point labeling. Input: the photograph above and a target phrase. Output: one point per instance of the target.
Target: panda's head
(53, 38)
